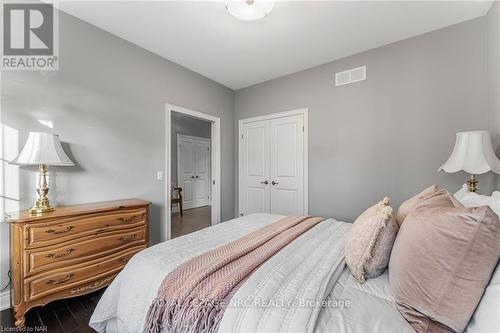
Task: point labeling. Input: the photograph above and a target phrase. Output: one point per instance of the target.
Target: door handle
(265, 182)
(274, 183)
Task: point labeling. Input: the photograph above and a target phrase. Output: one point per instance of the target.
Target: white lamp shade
(473, 153)
(43, 148)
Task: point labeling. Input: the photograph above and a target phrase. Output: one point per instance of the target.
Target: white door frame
(241, 122)
(179, 176)
(166, 229)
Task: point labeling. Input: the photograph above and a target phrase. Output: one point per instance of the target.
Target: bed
(310, 268)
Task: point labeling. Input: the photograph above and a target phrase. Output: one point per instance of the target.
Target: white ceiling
(296, 35)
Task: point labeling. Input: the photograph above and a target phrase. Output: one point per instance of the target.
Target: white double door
(193, 156)
(272, 166)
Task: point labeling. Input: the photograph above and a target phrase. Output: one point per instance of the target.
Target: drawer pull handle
(60, 255)
(94, 285)
(127, 220)
(130, 219)
(54, 282)
(127, 238)
(57, 232)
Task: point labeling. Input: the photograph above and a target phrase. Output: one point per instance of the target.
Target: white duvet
(303, 288)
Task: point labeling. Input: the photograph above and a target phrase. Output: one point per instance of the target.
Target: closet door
(287, 165)
(254, 168)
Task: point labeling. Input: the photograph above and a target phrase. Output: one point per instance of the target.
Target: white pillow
(471, 199)
(486, 318)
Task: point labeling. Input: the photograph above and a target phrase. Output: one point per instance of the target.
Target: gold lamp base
(39, 210)
(42, 204)
(472, 183)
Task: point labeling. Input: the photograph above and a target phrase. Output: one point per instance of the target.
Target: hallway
(193, 220)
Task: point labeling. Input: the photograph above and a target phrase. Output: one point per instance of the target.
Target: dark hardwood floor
(69, 315)
(192, 220)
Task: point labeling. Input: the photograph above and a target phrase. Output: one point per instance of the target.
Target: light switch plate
(159, 175)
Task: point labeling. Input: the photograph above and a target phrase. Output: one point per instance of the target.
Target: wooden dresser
(74, 250)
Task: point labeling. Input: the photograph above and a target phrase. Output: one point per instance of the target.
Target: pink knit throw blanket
(192, 297)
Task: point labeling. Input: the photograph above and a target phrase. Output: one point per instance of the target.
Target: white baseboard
(4, 300)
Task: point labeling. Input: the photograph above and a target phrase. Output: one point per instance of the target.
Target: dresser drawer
(78, 279)
(71, 228)
(82, 250)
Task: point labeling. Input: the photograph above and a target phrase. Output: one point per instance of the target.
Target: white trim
(305, 113)
(306, 161)
(198, 138)
(5, 300)
(193, 137)
(215, 164)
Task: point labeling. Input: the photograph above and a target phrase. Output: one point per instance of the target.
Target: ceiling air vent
(350, 76)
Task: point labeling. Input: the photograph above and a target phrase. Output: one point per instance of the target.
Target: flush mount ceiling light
(249, 10)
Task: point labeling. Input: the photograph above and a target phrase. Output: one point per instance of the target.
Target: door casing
(165, 229)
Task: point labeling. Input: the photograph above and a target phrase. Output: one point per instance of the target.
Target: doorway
(273, 164)
(192, 171)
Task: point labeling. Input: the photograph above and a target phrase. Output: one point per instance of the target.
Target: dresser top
(74, 210)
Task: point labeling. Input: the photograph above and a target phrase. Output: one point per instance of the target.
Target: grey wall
(189, 126)
(107, 101)
(387, 135)
(493, 33)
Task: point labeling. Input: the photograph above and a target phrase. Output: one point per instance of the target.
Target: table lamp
(474, 154)
(42, 149)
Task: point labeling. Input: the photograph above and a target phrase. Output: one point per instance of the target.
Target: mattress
(354, 307)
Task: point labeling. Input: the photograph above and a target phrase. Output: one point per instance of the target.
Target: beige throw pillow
(442, 261)
(370, 241)
(409, 205)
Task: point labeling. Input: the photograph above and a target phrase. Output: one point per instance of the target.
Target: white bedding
(124, 305)
(372, 307)
(304, 270)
